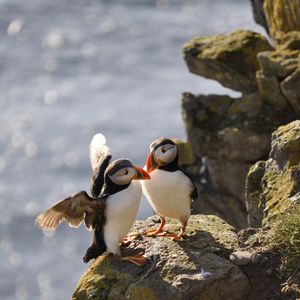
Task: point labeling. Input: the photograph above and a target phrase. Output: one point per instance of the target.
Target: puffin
(170, 190)
(111, 210)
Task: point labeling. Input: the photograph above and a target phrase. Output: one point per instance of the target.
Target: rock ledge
(195, 268)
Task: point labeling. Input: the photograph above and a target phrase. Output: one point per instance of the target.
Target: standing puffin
(170, 189)
(111, 211)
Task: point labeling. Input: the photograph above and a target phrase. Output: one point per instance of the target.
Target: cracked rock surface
(195, 268)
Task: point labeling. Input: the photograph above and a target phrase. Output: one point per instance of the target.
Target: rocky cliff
(213, 261)
(277, 16)
(227, 134)
(273, 185)
(253, 139)
(205, 265)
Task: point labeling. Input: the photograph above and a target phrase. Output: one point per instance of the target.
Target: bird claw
(175, 237)
(172, 236)
(152, 232)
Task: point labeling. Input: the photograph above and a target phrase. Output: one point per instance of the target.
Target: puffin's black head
(122, 171)
(163, 155)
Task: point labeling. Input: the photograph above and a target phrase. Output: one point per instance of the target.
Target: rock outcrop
(229, 140)
(277, 16)
(211, 263)
(195, 268)
(274, 185)
(228, 135)
(229, 59)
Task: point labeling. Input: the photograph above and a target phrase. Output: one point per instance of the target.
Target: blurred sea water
(70, 69)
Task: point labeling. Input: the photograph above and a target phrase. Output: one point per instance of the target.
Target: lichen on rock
(195, 268)
(282, 16)
(230, 59)
(227, 135)
(271, 190)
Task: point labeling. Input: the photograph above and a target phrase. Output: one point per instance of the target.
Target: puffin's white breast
(169, 193)
(121, 211)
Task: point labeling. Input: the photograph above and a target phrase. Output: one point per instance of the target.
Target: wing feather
(100, 158)
(72, 209)
(194, 190)
(98, 150)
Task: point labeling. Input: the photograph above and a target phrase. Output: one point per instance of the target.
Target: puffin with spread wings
(111, 211)
(170, 190)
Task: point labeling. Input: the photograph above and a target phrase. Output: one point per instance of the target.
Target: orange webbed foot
(129, 238)
(138, 259)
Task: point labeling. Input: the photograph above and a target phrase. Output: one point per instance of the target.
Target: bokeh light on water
(69, 69)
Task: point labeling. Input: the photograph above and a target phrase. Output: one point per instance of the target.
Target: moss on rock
(229, 59)
(279, 63)
(270, 191)
(285, 236)
(102, 281)
(195, 268)
(282, 16)
(227, 135)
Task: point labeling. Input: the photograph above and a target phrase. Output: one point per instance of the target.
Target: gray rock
(229, 59)
(222, 172)
(227, 135)
(240, 258)
(252, 194)
(290, 87)
(195, 268)
(280, 63)
(270, 91)
(223, 205)
(220, 126)
(272, 184)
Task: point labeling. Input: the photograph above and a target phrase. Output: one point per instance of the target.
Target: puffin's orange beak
(141, 174)
(151, 163)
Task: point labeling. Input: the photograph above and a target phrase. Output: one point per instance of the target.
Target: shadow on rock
(195, 268)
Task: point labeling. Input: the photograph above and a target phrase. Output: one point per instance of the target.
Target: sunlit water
(69, 69)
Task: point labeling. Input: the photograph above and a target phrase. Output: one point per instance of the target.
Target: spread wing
(100, 157)
(74, 210)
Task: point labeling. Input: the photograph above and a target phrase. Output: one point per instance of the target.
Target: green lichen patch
(270, 190)
(280, 63)
(174, 269)
(139, 292)
(279, 187)
(285, 236)
(231, 59)
(282, 16)
(102, 281)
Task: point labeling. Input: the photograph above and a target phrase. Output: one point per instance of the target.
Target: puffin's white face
(123, 176)
(165, 154)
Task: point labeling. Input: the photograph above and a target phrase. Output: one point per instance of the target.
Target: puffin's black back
(97, 179)
(97, 182)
